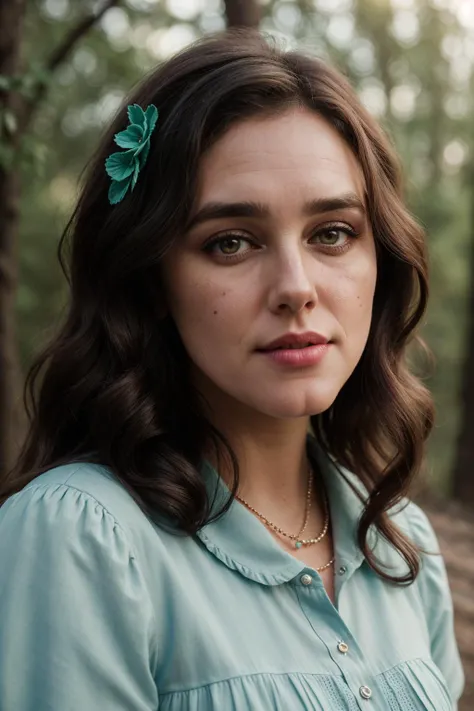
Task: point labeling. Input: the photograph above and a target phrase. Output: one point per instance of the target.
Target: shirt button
(343, 647)
(306, 579)
(342, 570)
(365, 692)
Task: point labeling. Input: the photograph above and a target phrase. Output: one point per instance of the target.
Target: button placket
(342, 648)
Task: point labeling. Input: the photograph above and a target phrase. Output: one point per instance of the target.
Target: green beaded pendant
(298, 544)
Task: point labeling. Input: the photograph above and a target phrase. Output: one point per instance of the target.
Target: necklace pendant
(298, 544)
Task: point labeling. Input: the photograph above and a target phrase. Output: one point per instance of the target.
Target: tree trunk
(463, 475)
(11, 16)
(242, 13)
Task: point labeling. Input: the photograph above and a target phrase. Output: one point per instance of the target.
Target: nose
(293, 287)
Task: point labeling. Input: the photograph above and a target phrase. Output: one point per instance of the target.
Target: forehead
(294, 153)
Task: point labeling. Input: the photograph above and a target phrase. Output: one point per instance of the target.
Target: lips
(292, 341)
(291, 347)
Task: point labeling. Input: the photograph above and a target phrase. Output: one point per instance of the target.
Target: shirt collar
(243, 543)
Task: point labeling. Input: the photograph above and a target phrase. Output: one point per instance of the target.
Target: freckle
(223, 293)
(215, 313)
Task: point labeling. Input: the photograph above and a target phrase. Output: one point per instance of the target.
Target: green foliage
(411, 63)
(25, 85)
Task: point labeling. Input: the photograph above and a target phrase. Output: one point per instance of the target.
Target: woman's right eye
(227, 246)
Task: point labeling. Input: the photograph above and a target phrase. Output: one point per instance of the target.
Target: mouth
(295, 341)
(290, 347)
(296, 356)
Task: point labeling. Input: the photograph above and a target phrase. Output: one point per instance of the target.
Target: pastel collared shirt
(103, 609)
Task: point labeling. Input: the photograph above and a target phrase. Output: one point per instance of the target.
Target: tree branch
(59, 56)
(242, 13)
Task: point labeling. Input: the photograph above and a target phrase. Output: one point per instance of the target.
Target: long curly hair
(114, 385)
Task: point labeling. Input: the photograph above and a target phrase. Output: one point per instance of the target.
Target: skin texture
(291, 275)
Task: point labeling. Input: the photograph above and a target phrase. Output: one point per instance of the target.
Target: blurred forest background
(412, 62)
(66, 66)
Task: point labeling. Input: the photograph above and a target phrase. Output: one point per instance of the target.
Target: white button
(365, 692)
(342, 570)
(306, 579)
(343, 647)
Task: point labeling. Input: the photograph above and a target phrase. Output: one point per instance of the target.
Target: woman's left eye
(335, 236)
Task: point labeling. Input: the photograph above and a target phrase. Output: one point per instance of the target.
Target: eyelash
(349, 231)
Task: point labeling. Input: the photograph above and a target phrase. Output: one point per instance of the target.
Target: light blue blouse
(103, 610)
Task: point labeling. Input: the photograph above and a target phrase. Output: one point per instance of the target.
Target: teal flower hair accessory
(124, 166)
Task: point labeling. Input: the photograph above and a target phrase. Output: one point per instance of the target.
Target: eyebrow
(249, 208)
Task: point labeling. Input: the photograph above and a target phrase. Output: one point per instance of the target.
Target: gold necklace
(297, 538)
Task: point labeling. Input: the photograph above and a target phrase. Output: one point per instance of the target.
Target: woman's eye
(230, 246)
(334, 236)
(331, 236)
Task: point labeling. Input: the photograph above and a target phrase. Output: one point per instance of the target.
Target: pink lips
(297, 349)
(296, 339)
(298, 357)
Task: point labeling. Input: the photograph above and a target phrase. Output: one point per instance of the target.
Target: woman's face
(280, 243)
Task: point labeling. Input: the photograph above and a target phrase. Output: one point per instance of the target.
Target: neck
(273, 464)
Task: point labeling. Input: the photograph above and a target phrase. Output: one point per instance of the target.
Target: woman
(210, 511)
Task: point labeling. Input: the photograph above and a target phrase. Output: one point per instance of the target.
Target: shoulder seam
(85, 494)
(74, 471)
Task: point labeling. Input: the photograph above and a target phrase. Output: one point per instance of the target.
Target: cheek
(354, 295)
(199, 306)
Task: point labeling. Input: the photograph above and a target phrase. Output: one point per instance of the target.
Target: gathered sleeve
(438, 604)
(76, 620)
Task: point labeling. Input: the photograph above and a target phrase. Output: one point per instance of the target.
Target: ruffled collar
(243, 543)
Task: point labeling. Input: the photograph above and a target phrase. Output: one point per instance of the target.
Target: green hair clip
(124, 166)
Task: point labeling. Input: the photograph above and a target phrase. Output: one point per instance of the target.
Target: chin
(298, 405)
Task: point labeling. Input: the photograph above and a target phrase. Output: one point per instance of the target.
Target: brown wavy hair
(113, 386)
